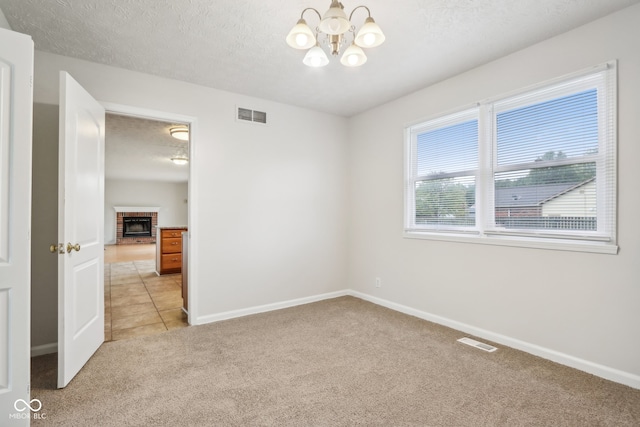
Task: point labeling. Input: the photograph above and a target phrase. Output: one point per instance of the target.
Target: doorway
(44, 221)
(143, 181)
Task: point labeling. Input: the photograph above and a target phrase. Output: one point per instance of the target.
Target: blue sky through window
(449, 149)
(568, 124)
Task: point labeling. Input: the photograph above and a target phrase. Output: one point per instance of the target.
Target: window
(533, 169)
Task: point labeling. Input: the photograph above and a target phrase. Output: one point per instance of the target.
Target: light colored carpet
(339, 362)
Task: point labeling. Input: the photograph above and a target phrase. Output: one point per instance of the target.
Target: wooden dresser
(169, 250)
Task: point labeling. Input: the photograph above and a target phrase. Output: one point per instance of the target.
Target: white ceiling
(239, 46)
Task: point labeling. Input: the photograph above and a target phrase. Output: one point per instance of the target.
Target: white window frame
(413, 177)
(485, 232)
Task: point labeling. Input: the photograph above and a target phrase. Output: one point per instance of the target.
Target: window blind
(445, 163)
(551, 169)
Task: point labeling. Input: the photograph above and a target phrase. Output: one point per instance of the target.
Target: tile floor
(138, 302)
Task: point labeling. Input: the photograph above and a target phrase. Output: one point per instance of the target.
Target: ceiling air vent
(477, 344)
(246, 115)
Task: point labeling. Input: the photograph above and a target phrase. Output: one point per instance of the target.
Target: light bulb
(352, 59)
(301, 39)
(369, 39)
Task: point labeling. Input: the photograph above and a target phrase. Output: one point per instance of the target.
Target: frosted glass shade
(334, 21)
(301, 36)
(315, 57)
(353, 57)
(370, 35)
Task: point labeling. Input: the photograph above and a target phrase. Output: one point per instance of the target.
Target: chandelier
(333, 28)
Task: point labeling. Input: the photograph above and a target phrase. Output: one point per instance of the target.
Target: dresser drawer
(169, 250)
(171, 245)
(172, 261)
(168, 234)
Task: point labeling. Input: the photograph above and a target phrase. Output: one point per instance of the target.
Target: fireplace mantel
(136, 209)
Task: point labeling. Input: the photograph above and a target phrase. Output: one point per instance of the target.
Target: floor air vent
(477, 344)
(246, 115)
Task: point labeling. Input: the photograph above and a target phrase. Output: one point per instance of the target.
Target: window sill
(520, 242)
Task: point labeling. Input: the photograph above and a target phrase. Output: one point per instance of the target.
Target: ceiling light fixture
(334, 25)
(180, 132)
(180, 160)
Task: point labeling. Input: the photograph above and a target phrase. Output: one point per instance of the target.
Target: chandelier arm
(310, 8)
(358, 7)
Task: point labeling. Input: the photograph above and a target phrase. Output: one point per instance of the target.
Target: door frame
(192, 122)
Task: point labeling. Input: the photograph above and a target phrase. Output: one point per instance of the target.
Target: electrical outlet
(378, 282)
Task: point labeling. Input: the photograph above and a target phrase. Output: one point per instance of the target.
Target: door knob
(71, 247)
(56, 248)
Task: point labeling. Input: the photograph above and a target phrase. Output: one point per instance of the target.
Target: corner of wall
(3, 21)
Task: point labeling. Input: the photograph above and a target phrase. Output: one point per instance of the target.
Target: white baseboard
(40, 350)
(602, 371)
(267, 307)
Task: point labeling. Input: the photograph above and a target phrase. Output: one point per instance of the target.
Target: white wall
(268, 219)
(581, 305)
(3, 21)
(170, 197)
(44, 225)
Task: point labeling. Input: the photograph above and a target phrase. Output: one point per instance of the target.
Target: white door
(16, 98)
(80, 229)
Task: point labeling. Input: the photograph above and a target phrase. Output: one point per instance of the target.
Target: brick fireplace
(135, 227)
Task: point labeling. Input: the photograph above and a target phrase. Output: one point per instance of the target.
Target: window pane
(449, 201)
(555, 198)
(558, 129)
(448, 149)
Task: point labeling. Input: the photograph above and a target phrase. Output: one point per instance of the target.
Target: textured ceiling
(238, 45)
(141, 149)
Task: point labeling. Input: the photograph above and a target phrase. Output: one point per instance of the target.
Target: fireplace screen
(136, 227)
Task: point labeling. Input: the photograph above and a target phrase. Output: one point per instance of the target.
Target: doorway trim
(192, 122)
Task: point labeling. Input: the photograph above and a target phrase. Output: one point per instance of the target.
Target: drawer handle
(175, 259)
(174, 243)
